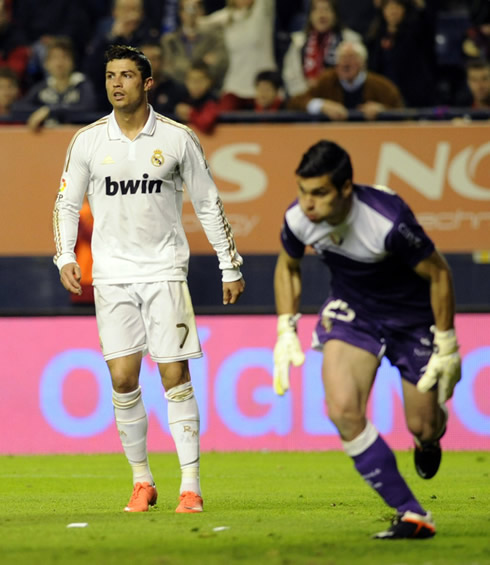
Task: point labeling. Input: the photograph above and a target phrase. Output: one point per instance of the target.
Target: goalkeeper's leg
(348, 375)
(426, 421)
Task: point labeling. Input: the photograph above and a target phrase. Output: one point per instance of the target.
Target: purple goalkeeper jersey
(371, 255)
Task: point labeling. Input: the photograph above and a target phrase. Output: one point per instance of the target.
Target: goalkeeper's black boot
(427, 458)
(428, 454)
(409, 525)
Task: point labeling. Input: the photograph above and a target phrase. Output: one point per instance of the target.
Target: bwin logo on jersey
(145, 186)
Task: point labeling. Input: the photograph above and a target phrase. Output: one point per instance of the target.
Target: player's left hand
(444, 367)
(233, 290)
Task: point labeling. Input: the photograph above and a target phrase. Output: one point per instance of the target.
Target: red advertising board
(56, 391)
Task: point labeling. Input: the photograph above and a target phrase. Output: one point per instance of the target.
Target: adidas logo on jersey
(145, 186)
(108, 160)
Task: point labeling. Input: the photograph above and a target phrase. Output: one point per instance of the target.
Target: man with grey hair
(348, 86)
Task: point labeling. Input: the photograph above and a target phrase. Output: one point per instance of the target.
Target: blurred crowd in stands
(322, 58)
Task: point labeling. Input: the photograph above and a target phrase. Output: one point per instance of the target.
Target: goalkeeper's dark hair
(326, 158)
(126, 52)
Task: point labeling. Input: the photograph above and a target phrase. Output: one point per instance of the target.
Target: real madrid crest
(157, 158)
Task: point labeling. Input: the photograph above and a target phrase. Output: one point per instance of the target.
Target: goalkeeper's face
(321, 201)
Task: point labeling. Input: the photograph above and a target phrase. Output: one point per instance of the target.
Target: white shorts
(155, 318)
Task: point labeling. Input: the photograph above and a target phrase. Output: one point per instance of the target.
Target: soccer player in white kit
(391, 296)
(133, 165)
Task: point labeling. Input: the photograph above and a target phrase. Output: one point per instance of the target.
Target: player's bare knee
(125, 373)
(423, 428)
(174, 374)
(348, 422)
(123, 383)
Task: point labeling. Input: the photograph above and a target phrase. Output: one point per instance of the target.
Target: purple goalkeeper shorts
(408, 349)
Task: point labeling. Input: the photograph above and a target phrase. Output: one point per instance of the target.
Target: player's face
(125, 87)
(321, 201)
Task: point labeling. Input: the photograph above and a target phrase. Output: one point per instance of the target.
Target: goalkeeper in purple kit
(391, 295)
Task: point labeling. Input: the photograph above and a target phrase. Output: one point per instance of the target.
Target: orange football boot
(190, 503)
(144, 495)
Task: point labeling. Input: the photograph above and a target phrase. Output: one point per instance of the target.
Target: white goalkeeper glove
(444, 366)
(287, 350)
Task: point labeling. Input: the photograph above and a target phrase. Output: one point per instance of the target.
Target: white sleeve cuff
(64, 259)
(231, 275)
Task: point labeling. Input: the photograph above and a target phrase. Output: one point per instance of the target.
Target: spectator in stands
(200, 108)
(166, 92)
(401, 47)
(357, 14)
(63, 91)
(126, 26)
(189, 44)
(477, 92)
(14, 49)
(476, 44)
(169, 16)
(290, 17)
(269, 96)
(9, 93)
(164, 14)
(313, 50)
(248, 27)
(97, 11)
(349, 86)
(41, 21)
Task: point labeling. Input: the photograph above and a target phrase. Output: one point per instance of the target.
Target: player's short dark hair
(272, 77)
(126, 52)
(326, 158)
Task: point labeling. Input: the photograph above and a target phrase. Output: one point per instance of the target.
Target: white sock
(183, 421)
(132, 425)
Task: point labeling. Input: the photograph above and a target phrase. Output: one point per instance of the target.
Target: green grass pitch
(271, 508)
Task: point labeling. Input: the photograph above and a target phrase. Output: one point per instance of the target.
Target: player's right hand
(70, 276)
(444, 366)
(233, 290)
(286, 351)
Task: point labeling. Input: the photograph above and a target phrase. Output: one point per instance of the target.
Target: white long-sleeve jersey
(135, 190)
